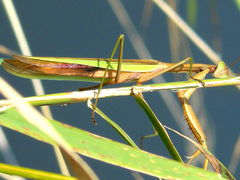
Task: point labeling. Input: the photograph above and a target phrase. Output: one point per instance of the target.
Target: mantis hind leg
(119, 43)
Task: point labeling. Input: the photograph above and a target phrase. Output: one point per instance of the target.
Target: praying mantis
(114, 71)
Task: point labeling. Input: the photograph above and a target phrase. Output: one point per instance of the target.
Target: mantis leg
(191, 118)
(161, 70)
(120, 43)
(155, 133)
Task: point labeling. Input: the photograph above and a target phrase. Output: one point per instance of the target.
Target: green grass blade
(159, 128)
(83, 96)
(1, 60)
(237, 2)
(192, 12)
(31, 173)
(107, 150)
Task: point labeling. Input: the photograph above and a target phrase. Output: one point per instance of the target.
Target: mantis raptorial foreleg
(190, 117)
(120, 43)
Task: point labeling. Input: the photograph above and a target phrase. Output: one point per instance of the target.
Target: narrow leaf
(237, 2)
(31, 173)
(158, 127)
(106, 150)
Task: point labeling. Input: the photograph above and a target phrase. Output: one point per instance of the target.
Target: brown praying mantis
(115, 71)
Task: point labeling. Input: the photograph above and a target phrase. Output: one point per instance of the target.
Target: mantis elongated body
(75, 69)
(108, 71)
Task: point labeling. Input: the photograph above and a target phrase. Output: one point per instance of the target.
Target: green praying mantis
(114, 71)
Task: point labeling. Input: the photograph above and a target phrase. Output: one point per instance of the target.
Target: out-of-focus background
(89, 29)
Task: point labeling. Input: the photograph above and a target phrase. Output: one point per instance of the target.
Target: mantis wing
(128, 65)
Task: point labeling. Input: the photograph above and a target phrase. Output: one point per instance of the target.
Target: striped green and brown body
(93, 69)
